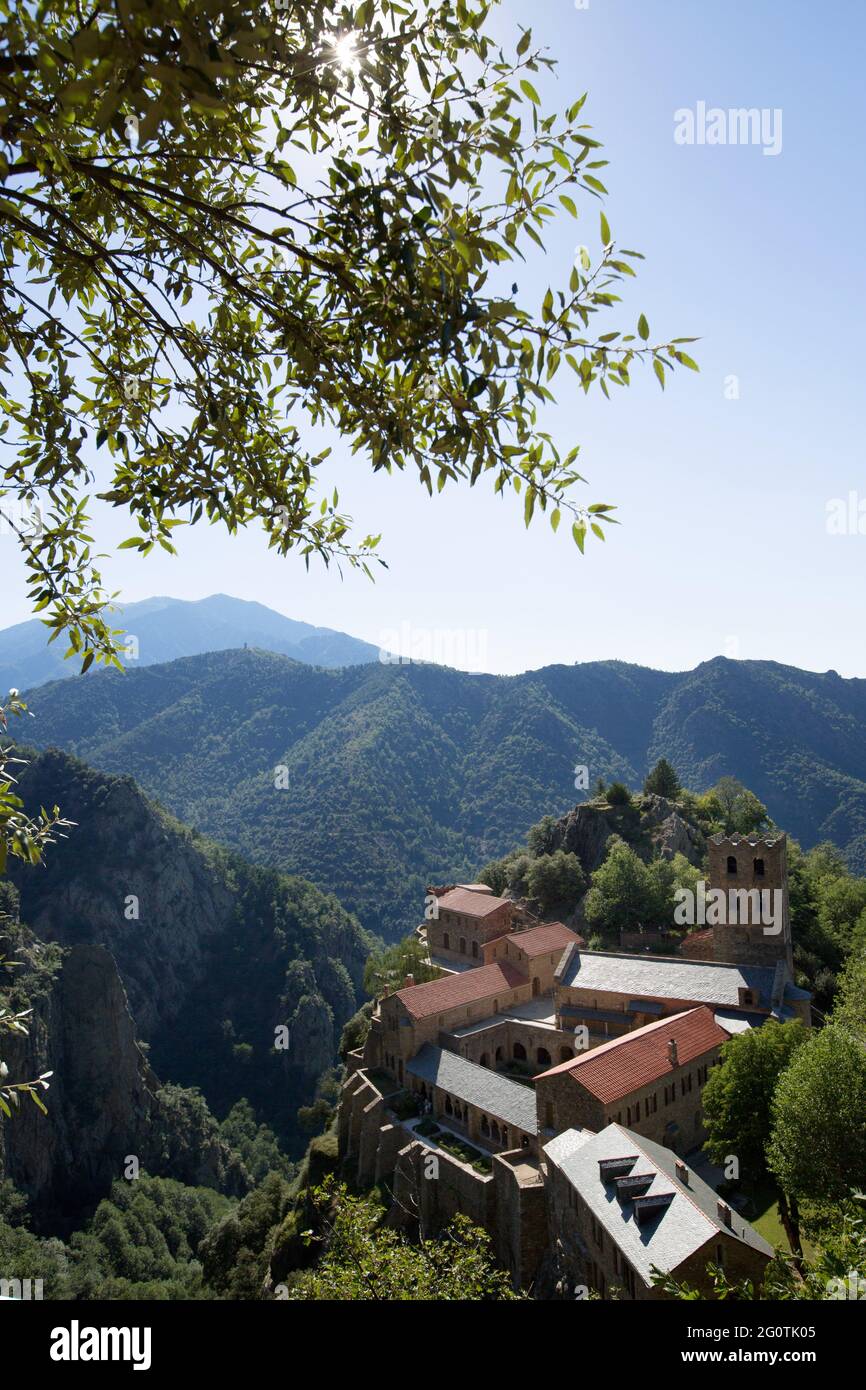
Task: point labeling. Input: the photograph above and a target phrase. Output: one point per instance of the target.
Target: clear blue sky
(723, 546)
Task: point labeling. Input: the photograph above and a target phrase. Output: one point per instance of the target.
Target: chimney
(673, 1057)
(682, 1172)
(724, 1213)
(409, 982)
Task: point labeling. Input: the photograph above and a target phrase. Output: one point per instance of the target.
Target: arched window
(484, 1060)
(485, 1126)
(499, 1054)
(463, 945)
(732, 864)
(524, 1143)
(446, 941)
(475, 950)
(565, 1054)
(542, 1057)
(548, 1115)
(497, 1137)
(519, 1052)
(449, 1108)
(759, 868)
(504, 1137)
(536, 986)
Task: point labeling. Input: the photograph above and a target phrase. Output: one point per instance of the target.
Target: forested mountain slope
(390, 776)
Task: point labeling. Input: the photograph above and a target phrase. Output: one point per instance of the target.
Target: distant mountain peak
(166, 629)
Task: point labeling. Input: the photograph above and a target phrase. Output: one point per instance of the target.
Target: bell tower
(755, 927)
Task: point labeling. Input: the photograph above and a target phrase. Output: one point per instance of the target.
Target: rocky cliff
(105, 1105)
(172, 961)
(650, 824)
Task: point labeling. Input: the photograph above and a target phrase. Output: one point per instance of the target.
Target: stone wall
(521, 1231)
(447, 932)
(431, 1188)
(539, 968)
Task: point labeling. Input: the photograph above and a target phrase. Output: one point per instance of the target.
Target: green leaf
(529, 91)
(605, 231)
(643, 327)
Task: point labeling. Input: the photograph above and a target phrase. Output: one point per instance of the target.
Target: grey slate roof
(503, 1099)
(682, 1227)
(736, 1022)
(668, 977)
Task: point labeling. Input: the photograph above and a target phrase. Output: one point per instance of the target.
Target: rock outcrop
(105, 1105)
(176, 962)
(650, 824)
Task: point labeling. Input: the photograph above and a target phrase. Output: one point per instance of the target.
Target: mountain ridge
(398, 775)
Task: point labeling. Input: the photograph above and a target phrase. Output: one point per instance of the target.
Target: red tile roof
(471, 902)
(622, 1066)
(701, 939)
(550, 936)
(468, 987)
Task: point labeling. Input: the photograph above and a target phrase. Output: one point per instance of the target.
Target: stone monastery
(552, 1094)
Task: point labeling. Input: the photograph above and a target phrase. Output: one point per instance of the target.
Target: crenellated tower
(752, 870)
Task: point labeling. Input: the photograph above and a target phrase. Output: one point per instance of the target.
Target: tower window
(732, 864)
(759, 868)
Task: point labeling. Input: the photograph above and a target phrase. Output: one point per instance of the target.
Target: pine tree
(663, 780)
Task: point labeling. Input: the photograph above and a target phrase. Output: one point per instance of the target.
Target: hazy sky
(724, 546)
